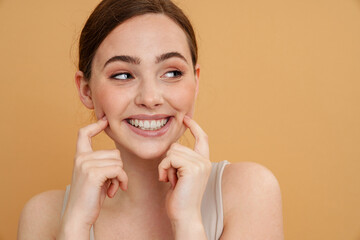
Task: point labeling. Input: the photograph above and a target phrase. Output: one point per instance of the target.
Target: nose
(149, 94)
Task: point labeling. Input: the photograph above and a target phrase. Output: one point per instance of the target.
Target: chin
(146, 151)
(151, 155)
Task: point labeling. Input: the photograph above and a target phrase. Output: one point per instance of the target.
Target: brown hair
(111, 13)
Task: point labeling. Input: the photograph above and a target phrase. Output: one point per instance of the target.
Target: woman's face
(143, 80)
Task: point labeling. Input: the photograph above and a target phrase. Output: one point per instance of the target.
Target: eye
(173, 74)
(122, 76)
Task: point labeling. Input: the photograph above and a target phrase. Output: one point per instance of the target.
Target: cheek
(108, 102)
(183, 99)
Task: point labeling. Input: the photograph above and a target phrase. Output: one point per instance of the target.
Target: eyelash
(129, 76)
(176, 74)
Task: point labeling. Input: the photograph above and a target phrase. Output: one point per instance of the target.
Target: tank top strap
(66, 197)
(211, 206)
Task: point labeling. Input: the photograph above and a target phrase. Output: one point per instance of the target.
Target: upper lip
(149, 117)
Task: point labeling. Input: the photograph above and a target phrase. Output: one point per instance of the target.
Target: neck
(144, 187)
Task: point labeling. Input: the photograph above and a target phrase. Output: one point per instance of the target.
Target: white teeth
(148, 124)
(153, 124)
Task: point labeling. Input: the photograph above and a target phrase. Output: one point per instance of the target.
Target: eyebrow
(123, 58)
(168, 55)
(136, 60)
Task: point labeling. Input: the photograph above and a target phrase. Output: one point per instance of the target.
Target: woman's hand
(188, 172)
(95, 175)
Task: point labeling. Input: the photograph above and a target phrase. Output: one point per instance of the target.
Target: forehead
(146, 37)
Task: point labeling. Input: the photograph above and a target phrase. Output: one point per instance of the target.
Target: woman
(138, 70)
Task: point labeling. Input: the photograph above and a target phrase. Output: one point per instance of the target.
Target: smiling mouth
(149, 125)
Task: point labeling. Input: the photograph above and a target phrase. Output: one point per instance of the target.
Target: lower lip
(151, 133)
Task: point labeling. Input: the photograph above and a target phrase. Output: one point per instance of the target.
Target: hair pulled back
(111, 13)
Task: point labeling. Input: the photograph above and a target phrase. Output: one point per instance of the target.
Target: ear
(197, 78)
(84, 90)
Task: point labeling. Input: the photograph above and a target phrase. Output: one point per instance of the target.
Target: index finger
(86, 133)
(201, 138)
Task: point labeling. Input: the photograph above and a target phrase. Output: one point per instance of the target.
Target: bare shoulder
(40, 217)
(251, 202)
(249, 176)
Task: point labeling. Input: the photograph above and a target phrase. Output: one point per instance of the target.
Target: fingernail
(104, 118)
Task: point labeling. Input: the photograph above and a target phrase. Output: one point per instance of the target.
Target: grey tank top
(211, 206)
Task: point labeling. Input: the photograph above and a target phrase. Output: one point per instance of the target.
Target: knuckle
(84, 168)
(79, 159)
(163, 164)
(117, 152)
(82, 132)
(92, 175)
(169, 152)
(205, 137)
(119, 169)
(175, 146)
(119, 164)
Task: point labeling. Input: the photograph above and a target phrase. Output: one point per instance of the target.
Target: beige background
(280, 85)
